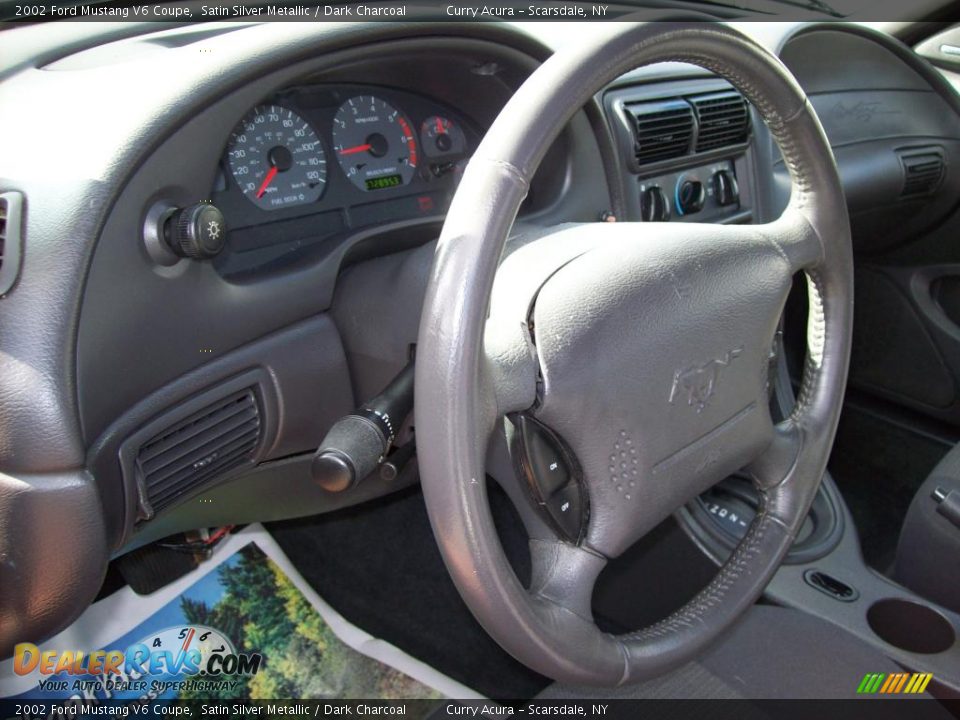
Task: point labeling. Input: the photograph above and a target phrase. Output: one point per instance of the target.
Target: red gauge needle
(356, 149)
(439, 126)
(266, 181)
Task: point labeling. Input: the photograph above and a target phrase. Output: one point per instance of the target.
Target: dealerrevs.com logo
(174, 655)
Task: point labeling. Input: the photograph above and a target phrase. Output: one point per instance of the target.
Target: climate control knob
(691, 197)
(654, 206)
(725, 187)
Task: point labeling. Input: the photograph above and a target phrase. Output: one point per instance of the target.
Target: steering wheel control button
(654, 206)
(725, 188)
(546, 460)
(551, 475)
(198, 231)
(566, 508)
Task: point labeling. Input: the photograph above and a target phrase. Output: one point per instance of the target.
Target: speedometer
(374, 143)
(277, 159)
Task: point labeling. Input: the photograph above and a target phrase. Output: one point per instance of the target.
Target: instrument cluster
(351, 150)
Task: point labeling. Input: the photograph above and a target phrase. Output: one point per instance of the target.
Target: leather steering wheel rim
(466, 382)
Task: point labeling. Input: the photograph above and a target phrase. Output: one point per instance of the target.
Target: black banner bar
(27, 11)
(874, 708)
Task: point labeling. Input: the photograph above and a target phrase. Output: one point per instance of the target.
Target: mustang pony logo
(699, 382)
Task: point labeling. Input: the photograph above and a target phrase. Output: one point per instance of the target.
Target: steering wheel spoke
(565, 574)
(778, 461)
(509, 364)
(795, 236)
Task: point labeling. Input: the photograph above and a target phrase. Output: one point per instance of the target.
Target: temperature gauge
(439, 137)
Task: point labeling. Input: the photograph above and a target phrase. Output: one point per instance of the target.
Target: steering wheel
(645, 347)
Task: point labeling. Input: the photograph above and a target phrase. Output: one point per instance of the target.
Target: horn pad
(654, 351)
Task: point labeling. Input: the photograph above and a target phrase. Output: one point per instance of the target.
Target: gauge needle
(266, 181)
(439, 126)
(356, 149)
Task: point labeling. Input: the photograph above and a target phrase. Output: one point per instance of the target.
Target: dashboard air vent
(724, 120)
(221, 437)
(922, 171)
(663, 129)
(11, 240)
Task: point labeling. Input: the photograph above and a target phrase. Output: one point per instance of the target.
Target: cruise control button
(566, 508)
(547, 462)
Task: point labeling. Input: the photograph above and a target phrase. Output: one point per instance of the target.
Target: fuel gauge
(439, 137)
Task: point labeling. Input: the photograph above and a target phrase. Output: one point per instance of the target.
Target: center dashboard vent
(221, 437)
(723, 119)
(659, 130)
(663, 130)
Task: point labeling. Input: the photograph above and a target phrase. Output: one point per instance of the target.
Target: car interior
(614, 360)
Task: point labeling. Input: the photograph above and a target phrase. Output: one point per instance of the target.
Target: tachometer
(277, 159)
(374, 143)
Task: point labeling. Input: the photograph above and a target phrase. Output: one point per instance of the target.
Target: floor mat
(244, 625)
(378, 564)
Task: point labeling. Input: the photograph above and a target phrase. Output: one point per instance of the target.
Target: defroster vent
(197, 450)
(663, 129)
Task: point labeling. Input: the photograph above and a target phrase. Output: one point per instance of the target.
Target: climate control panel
(703, 194)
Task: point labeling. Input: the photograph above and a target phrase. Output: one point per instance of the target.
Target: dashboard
(333, 178)
(332, 153)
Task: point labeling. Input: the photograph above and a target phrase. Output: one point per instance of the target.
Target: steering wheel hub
(653, 348)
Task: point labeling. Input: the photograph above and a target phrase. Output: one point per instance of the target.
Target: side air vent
(11, 239)
(215, 440)
(663, 129)
(724, 119)
(922, 171)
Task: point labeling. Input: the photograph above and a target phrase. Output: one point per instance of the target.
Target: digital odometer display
(374, 143)
(384, 181)
(277, 159)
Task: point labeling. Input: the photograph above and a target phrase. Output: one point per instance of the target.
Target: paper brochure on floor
(243, 625)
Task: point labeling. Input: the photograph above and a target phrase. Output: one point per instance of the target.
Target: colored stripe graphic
(870, 683)
(894, 683)
(903, 680)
